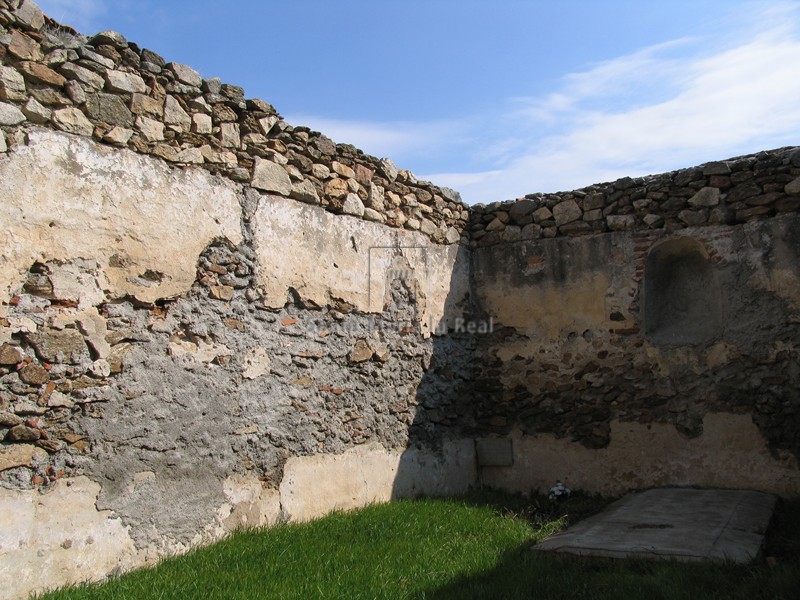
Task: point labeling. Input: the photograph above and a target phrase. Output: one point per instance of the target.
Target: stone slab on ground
(673, 523)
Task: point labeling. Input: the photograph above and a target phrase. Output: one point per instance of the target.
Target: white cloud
(655, 110)
(398, 140)
(619, 79)
(83, 15)
(664, 107)
(459, 181)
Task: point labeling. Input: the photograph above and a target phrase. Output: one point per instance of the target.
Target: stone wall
(643, 358)
(168, 363)
(212, 319)
(647, 331)
(208, 318)
(730, 192)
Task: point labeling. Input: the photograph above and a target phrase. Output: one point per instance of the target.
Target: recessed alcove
(682, 299)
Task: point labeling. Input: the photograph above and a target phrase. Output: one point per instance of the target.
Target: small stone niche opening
(682, 299)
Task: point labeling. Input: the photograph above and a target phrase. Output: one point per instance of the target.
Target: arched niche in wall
(682, 299)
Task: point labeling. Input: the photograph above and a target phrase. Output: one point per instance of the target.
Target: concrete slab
(673, 523)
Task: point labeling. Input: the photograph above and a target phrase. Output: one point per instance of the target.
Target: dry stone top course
(730, 192)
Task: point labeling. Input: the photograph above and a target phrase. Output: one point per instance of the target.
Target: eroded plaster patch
(327, 258)
(145, 223)
(730, 453)
(313, 486)
(59, 537)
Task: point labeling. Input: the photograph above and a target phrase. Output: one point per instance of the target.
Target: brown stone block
(10, 355)
(750, 213)
(34, 374)
(21, 433)
(42, 74)
(24, 47)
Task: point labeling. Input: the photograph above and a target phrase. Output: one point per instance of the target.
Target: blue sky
(496, 99)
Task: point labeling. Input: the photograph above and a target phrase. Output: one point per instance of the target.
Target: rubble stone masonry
(210, 319)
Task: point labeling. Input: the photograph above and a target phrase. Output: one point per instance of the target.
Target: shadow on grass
(538, 509)
(525, 573)
(443, 549)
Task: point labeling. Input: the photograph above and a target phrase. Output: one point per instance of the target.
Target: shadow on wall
(626, 360)
(439, 459)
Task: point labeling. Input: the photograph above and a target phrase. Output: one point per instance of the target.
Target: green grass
(475, 547)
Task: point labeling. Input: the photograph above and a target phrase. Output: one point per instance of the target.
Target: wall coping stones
(729, 192)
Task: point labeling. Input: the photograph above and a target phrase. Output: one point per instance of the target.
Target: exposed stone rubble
(80, 386)
(50, 370)
(83, 387)
(582, 387)
(122, 95)
(729, 192)
(587, 360)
